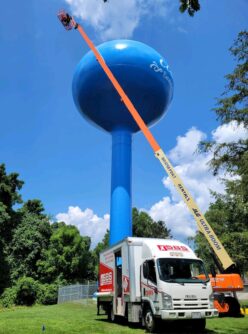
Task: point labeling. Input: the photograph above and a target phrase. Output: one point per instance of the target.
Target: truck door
(119, 308)
(149, 281)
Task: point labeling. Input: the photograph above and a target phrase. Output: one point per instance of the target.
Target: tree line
(37, 255)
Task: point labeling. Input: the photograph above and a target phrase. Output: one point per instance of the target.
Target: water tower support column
(121, 203)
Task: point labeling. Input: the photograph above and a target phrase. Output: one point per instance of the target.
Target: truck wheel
(198, 325)
(149, 320)
(234, 307)
(111, 315)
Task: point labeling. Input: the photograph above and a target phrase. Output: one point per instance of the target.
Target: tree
(145, 226)
(9, 186)
(30, 239)
(229, 214)
(4, 268)
(102, 245)
(233, 107)
(9, 196)
(98, 249)
(67, 257)
(191, 6)
(33, 248)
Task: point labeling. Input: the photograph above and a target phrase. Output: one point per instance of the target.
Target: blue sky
(63, 160)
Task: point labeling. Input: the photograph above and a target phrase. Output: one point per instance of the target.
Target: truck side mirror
(212, 270)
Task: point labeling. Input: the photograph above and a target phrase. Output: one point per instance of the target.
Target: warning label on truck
(126, 284)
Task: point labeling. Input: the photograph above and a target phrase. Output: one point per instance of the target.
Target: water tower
(144, 75)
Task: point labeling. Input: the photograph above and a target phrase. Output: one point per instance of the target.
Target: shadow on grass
(168, 328)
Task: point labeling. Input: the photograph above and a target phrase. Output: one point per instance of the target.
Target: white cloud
(87, 222)
(186, 146)
(116, 18)
(194, 171)
(176, 216)
(182, 30)
(230, 132)
(193, 168)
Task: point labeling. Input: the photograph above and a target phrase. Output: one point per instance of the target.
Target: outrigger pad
(67, 20)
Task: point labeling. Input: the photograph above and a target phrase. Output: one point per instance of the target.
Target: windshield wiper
(171, 280)
(198, 280)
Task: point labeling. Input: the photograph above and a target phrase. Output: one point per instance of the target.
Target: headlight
(211, 300)
(167, 302)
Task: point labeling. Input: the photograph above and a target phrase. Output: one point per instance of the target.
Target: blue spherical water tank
(146, 79)
(143, 74)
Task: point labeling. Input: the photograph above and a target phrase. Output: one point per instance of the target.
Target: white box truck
(148, 280)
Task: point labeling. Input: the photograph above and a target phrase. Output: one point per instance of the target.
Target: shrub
(27, 290)
(8, 297)
(48, 294)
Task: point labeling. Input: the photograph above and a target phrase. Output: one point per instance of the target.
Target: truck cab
(154, 280)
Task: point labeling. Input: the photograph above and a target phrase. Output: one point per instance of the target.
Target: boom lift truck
(228, 281)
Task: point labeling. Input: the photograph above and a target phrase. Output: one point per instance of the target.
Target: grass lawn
(78, 318)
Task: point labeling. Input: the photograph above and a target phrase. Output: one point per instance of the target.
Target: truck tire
(234, 307)
(199, 325)
(111, 315)
(150, 321)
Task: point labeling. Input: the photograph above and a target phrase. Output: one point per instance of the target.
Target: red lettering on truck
(165, 248)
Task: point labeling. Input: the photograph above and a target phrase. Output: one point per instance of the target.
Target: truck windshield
(182, 271)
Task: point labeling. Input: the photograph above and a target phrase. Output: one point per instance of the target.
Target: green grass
(244, 302)
(78, 318)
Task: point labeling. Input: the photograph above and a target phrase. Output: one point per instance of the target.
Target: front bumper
(188, 314)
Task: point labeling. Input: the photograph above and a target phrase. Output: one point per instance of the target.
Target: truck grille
(190, 304)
